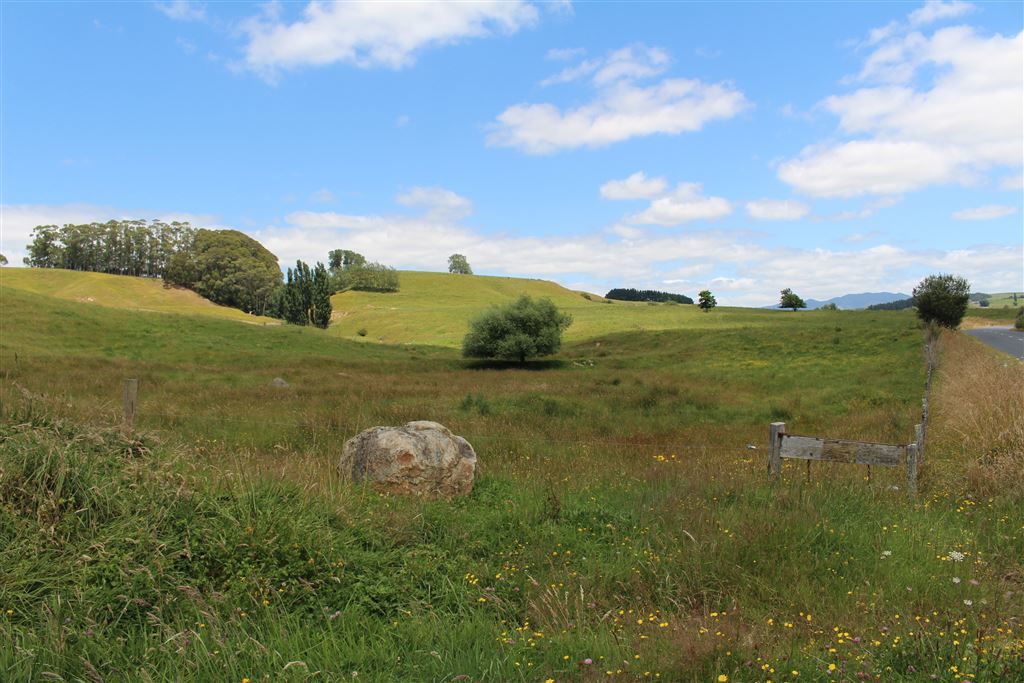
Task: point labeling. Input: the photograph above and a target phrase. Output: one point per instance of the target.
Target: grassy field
(118, 291)
(622, 527)
(435, 308)
(1002, 300)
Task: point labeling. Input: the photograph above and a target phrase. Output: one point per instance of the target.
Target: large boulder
(421, 459)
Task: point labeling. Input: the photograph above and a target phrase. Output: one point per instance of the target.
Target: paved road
(1006, 339)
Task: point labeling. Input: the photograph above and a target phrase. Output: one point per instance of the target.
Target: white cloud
(682, 205)
(369, 34)
(439, 202)
(621, 109)
(572, 73)
(984, 213)
(741, 267)
(777, 209)
(964, 122)
(936, 10)
(182, 10)
(636, 186)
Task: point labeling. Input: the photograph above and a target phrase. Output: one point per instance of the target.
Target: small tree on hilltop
(458, 264)
(525, 329)
(942, 299)
(790, 300)
(706, 300)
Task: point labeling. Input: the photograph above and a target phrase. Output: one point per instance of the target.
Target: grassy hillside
(1002, 300)
(435, 308)
(119, 291)
(622, 527)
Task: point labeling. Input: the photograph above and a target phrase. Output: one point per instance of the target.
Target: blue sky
(741, 147)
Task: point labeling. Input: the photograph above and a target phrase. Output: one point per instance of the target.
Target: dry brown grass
(976, 436)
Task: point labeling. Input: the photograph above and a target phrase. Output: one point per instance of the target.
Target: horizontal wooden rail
(782, 445)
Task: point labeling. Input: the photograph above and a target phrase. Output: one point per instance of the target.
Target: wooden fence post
(775, 432)
(913, 455)
(131, 400)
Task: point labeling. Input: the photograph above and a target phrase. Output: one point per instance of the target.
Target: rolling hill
(435, 308)
(120, 291)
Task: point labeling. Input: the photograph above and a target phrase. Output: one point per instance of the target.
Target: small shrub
(361, 331)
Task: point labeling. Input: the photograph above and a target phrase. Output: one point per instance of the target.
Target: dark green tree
(706, 300)
(524, 329)
(293, 307)
(458, 264)
(3, 260)
(229, 268)
(790, 300)
(320, 314)
(942, 299)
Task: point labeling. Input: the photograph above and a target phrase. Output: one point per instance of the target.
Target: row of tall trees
(631, 294)
(306, 297)
(128, 247)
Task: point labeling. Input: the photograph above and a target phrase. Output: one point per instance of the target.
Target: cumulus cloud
(636, 186)
(370, 34)
(936, 10)
(439, 202)
(682, 205)
(984, 213)
(945, 108)
(777, 209)
(620, 109)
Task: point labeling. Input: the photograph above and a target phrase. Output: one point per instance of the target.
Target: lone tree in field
(525, 329)
(942, 299)
(3, 260)
(790, 300)
(706, 300)
(458, 264)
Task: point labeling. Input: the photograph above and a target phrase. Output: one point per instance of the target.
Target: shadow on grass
(535, 365)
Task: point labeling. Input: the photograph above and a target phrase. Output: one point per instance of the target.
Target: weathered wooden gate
(782, 445)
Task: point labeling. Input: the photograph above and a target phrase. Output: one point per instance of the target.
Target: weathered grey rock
(279, 383)
(420, 459)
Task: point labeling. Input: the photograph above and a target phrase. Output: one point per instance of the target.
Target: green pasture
(621, 528)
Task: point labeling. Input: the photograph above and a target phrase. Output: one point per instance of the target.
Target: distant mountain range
(850, 302)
